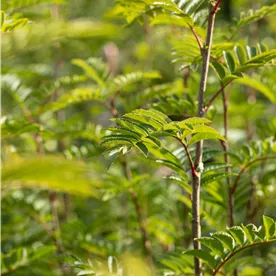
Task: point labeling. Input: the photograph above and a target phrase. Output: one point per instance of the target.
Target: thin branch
(247, 166)
(192, 165)
(215, 96)
(200, 46)
(239, 250)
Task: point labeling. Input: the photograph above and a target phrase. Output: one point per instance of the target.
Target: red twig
(215, 96)
(192, 165)
(200, 46)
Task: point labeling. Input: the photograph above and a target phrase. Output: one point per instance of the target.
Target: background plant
(84, 195)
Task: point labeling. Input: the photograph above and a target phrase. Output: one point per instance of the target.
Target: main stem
(206, 50)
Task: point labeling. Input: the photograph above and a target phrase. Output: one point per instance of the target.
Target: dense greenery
(138, 137)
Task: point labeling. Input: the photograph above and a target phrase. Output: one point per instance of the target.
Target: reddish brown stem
(200, 46)
(215, 96)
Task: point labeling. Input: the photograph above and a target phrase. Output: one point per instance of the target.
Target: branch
(205, 109)
(200, 46)
(247, 166)
(192, 165)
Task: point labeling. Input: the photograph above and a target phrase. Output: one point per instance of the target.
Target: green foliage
(21, 257)
(49, 173)
(222, 246)
(84, 101)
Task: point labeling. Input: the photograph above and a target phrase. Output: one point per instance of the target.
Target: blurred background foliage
(67, 207)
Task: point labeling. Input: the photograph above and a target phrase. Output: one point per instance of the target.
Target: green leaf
(213, 166)
(179, 180)
(203, 255)
(215, 246)
(50, 172)
(229, 78)
(263, 57)
(151, 122)
(129, 124)
(230, 61)
(249, 232)
(240, 54)
(249, 66)
(75, 96)
(215, 177)
(172, 19)
(205, 136)
(142, 148)
(153, 114)
(90, 71)
(20, 257)
(238, 233)
(226, 239)
(251, 52)
(122, 81)
(11, 129)
(269, 225)
(219, 69)
(2, 18)
(119, 138)
(152, 140)
(196, 121)
(259, 86)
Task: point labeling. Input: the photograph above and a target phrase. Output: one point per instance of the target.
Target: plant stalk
(206, 50)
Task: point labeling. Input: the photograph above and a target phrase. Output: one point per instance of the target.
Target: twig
(215, 96)
(192, 165)
(200, 46)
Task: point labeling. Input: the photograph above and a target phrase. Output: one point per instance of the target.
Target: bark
(206, 50)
